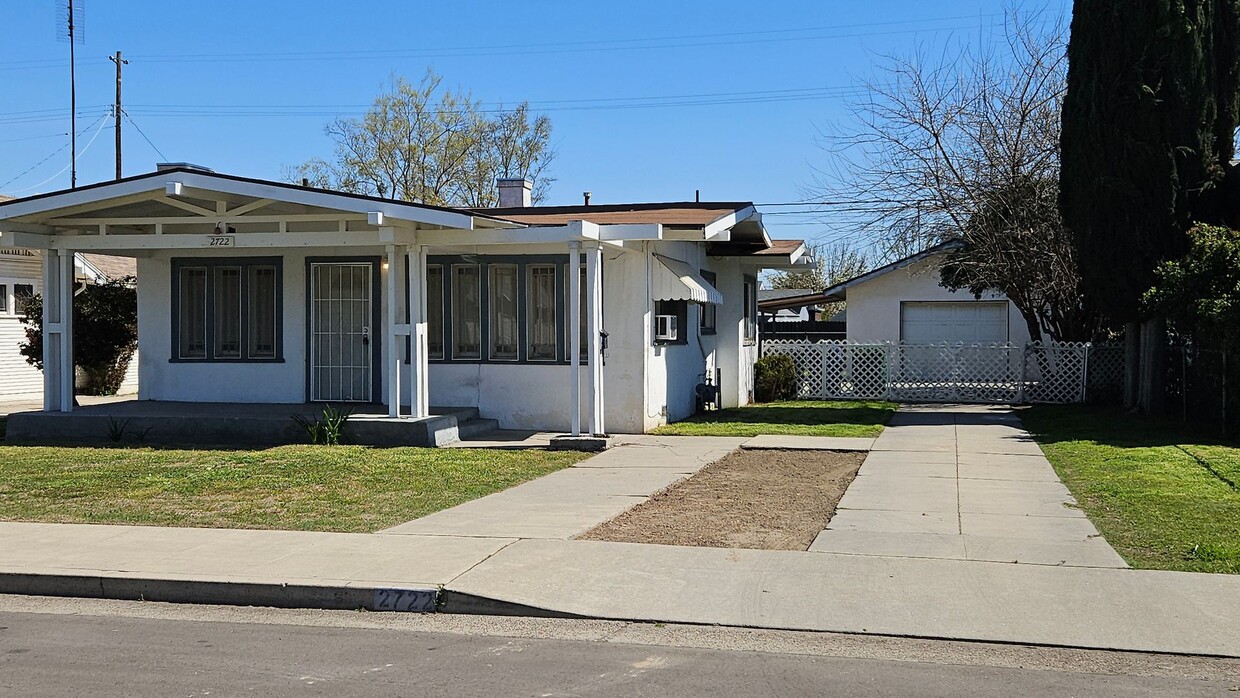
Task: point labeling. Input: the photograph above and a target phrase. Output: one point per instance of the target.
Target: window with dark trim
(226, 309)
(708, 312)
(466, 312)
(434, 311)
(751, 309)
(501, 309)
(502, 306)
(4, 299)
(22, 295)
(679, 310)
(540, 312)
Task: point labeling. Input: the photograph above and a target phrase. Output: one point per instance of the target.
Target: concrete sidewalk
(512, 553)
(963, 482)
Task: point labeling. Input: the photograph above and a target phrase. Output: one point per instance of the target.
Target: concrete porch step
(473, 428)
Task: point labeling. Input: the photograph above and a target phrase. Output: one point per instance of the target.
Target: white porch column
(594, 317)
(419, 366)
(392, 335)
(574, 334)
(58, 280)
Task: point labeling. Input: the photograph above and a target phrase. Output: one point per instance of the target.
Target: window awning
(676, 281)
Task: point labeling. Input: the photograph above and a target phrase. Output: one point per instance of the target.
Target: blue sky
(246, 87)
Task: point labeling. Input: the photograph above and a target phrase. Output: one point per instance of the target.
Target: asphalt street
(57, 647)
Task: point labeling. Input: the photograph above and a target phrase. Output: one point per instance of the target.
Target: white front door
(341, 319)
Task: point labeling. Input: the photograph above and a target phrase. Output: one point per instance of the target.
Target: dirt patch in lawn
(769, 500)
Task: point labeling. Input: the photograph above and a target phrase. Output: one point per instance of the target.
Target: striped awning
(675, 280)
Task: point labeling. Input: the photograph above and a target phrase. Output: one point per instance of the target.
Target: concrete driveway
(962, 482)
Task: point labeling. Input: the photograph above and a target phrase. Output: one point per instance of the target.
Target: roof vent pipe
(586, 196)
(515, 192)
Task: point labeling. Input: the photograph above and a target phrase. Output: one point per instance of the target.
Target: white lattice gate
(985, 373)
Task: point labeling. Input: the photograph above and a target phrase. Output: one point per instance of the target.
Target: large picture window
(500, 309)
(226, 310)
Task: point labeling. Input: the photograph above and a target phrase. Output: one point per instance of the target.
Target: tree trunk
(1152, 395)
(1132, 364)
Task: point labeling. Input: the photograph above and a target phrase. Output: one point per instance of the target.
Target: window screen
(434, 311)
(466, 313)
(192, 313)
(540, 312)
(502, 306)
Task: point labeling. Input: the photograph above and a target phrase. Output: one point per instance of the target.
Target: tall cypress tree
(1147, 138)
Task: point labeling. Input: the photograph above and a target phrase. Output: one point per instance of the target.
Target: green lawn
(796, 417)
(1163, 496)
(309, 488)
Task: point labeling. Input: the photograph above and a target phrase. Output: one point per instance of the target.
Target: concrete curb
(277, 595)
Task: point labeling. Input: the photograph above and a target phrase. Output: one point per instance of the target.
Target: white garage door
(969, 322)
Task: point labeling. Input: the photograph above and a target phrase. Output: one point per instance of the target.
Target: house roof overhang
(839, 292)
(187, 204)
(776, 254)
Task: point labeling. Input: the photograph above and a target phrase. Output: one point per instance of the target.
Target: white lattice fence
(984, 373)
(1055, 372)
(956, 373)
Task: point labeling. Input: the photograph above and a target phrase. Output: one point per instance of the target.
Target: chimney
(514, 192)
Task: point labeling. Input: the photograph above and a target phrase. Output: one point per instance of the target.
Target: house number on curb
(405, 600)
(220, 241)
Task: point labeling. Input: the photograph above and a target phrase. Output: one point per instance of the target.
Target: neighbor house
(904, 302)
(616, 317)
(21, 277)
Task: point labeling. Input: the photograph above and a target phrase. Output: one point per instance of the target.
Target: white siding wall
(874, 306)
(18, 379)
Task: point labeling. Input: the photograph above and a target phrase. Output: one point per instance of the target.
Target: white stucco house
(904, 302)
(602, 318)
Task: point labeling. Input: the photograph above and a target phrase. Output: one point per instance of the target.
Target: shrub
(1199, 294)
(105, 333)
(775, 378)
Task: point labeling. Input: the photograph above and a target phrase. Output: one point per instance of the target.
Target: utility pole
(72, 103)
(116, 108)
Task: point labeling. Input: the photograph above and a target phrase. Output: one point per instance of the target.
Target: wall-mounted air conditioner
(665, 328)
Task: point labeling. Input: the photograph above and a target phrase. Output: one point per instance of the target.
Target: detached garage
(903, 302)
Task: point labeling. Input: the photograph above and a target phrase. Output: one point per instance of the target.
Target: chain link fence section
(981, 373)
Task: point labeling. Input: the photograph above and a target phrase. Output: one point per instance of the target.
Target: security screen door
(340, 331)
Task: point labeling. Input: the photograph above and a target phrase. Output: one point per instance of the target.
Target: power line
(599, 45)
(62, 170)
(143, 134)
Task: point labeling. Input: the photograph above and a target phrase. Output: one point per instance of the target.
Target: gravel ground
(769, 500)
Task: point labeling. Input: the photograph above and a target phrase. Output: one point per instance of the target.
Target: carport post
(58, 280)
(392, 335)
(594, 316)
(419, 366)
(574, 334)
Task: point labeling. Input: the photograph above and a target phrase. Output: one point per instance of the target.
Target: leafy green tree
(1199, 294)
(105, 333)
(433, 145)
(1147, 138)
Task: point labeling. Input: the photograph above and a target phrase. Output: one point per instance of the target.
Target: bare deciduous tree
(437, 146)
(965, 145)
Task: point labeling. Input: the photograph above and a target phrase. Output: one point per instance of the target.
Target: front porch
(248, 424)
